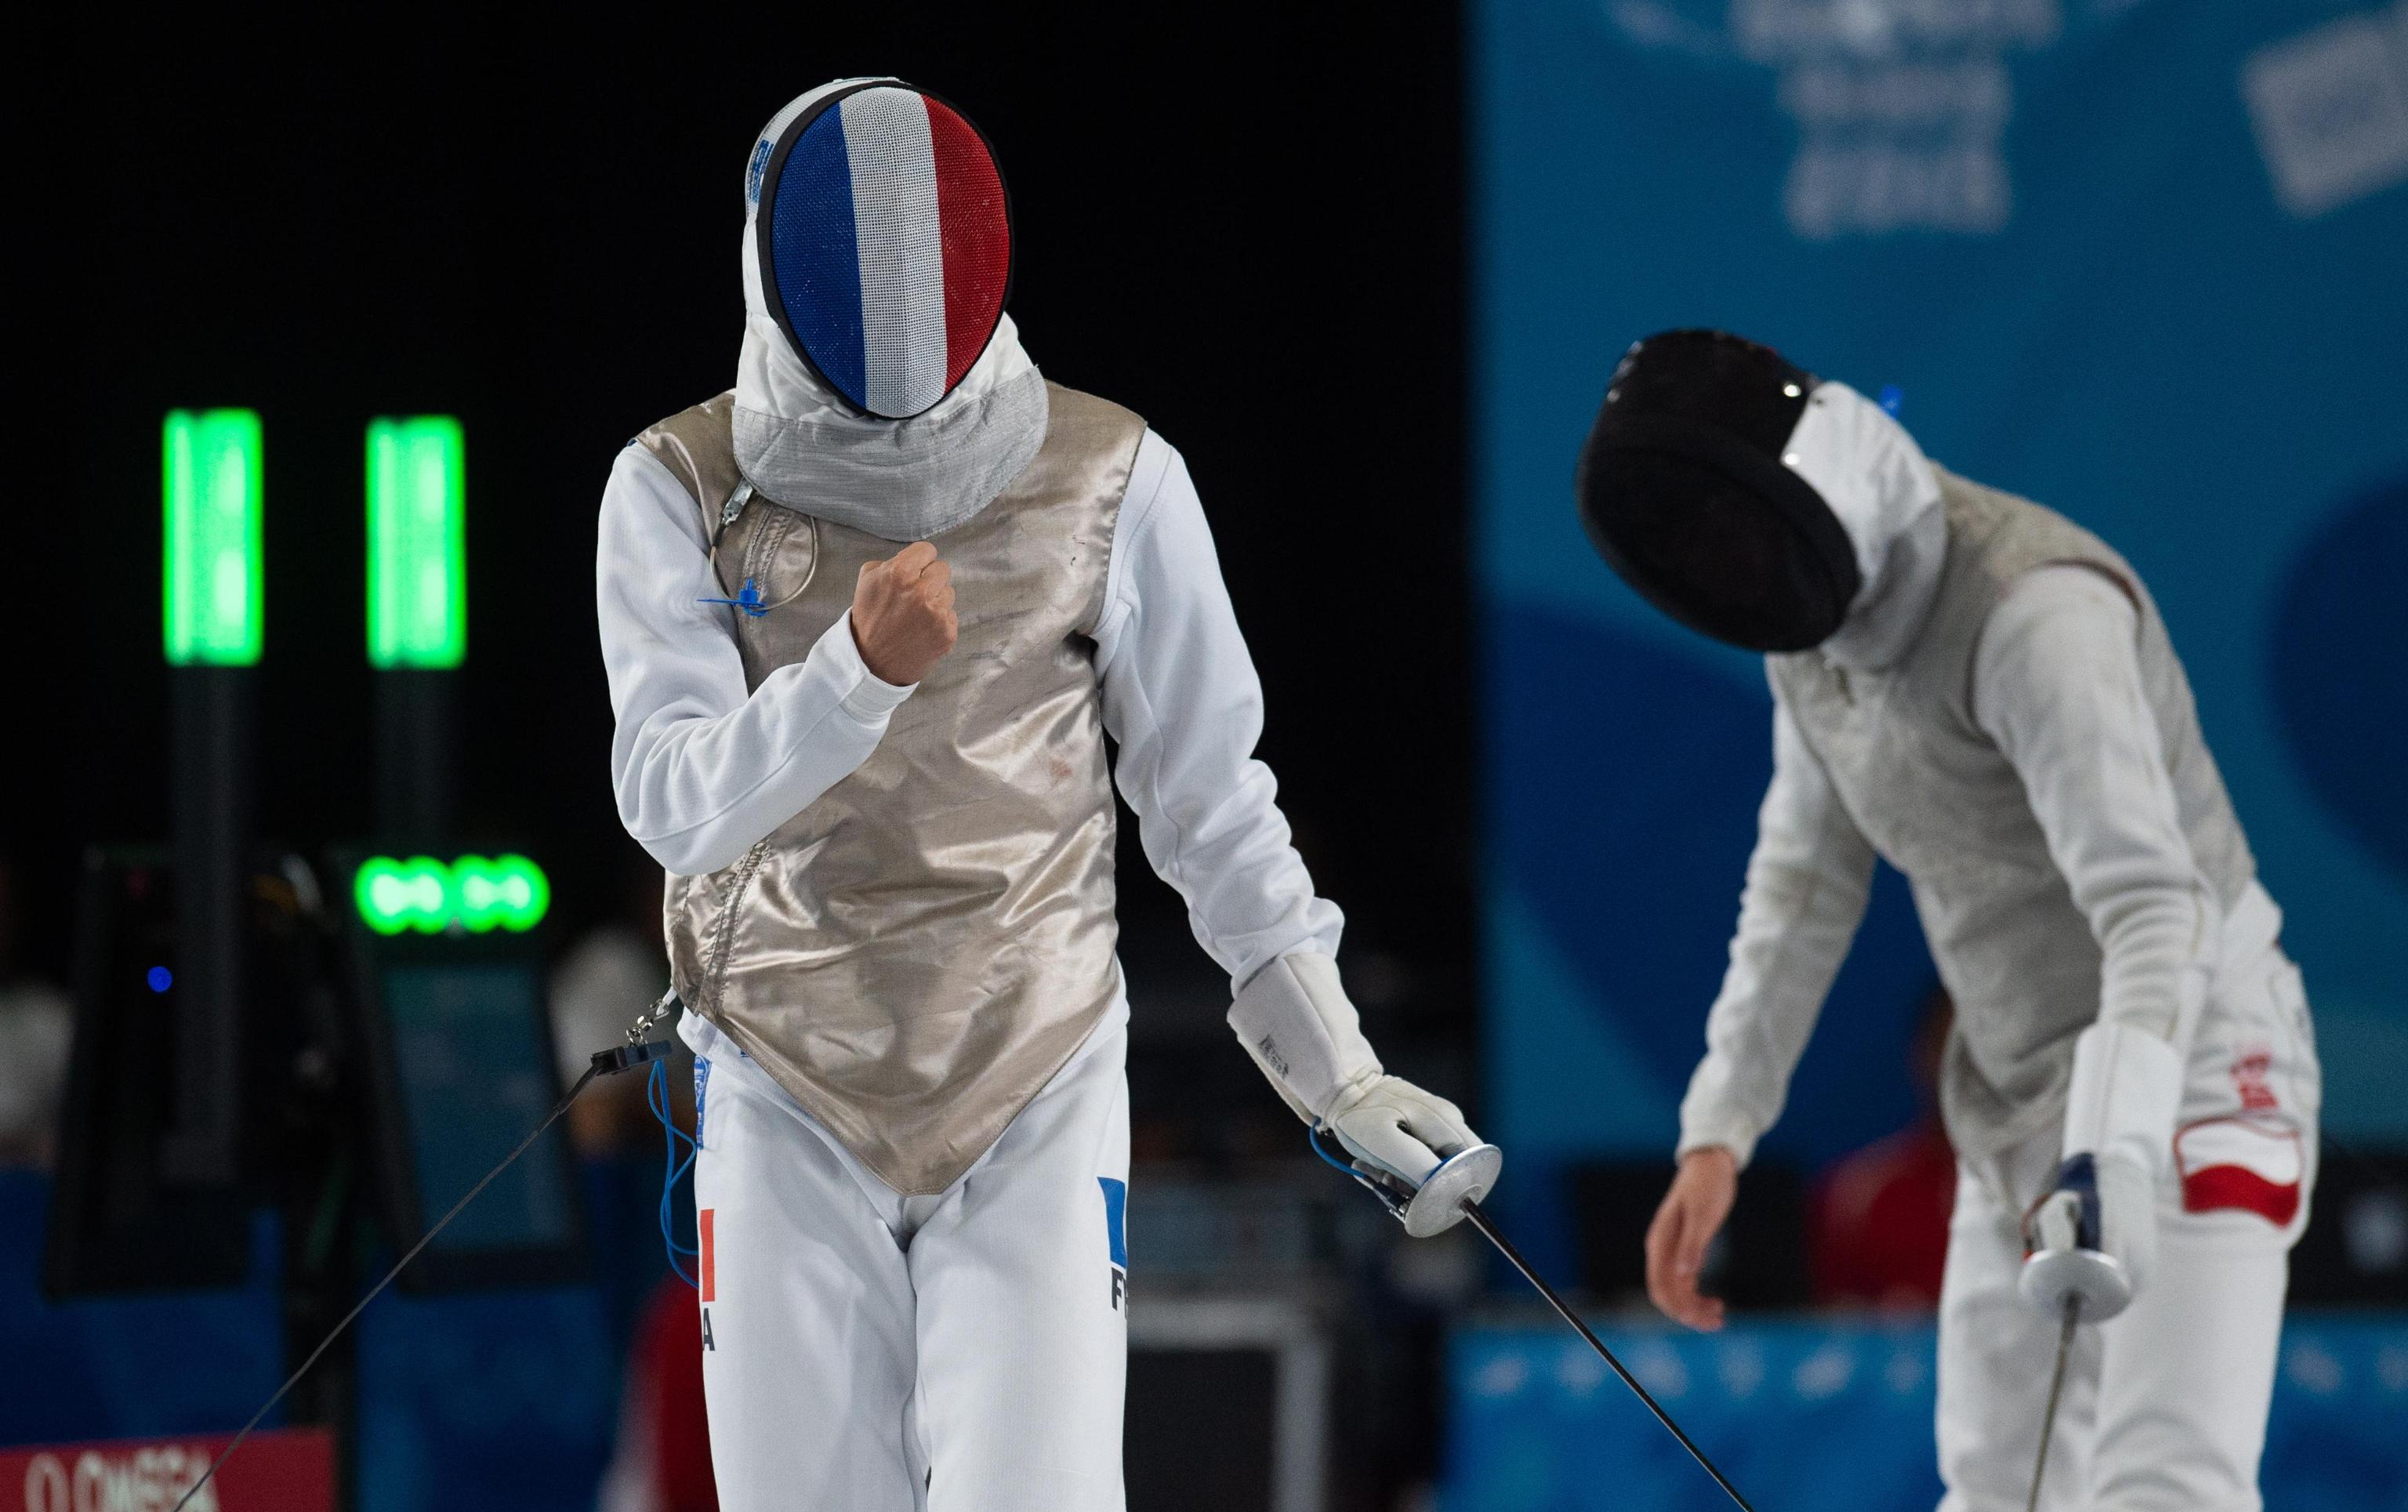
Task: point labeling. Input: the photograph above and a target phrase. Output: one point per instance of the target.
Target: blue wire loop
(1312, 1137)
(656, 1093)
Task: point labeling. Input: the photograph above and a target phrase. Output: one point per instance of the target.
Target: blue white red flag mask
(883, 233)
(811, 444)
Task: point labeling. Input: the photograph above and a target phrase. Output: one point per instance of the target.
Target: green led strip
(209, 465)
(418, 565)
(476, 893)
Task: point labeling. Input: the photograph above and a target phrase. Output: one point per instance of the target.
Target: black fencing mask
(1683, 491)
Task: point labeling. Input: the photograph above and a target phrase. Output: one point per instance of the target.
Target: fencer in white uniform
(867, 619)
(1981, 692)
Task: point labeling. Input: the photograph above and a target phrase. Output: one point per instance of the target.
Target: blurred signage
(1817, 1415)
(284, 1470)
(2331, 107)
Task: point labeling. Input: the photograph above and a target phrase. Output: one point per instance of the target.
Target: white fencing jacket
(2057, 688)
(702, 771)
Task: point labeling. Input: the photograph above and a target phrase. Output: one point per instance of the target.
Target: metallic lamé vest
(914, 955)
(1939, 801)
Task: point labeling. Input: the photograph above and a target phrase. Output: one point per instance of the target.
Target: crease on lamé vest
(914, 955)
(1936, 799)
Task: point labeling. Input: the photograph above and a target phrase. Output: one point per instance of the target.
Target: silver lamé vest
(915, 954)
(1936, 799)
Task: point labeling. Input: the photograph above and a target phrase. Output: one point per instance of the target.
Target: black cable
(1479, 1219)
(400, 1265)
(1395, 1196)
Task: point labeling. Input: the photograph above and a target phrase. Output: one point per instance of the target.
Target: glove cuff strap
(1295, 1020)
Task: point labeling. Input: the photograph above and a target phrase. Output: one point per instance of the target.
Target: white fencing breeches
(869, 1353)
(2164, 1407)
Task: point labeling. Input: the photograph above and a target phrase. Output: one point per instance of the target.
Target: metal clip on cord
(638, 1050)
(639, 1033)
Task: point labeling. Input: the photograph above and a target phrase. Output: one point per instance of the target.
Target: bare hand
(903, 614)
(1692, 1213)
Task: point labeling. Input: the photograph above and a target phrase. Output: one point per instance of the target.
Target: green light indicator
(526, 892)
(210, 467)
(386, 892)
(508, 892)
(477, 894)
(427, 884)
(417, 570)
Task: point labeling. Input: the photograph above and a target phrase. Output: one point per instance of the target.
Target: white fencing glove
(2094, 1237)
(1295, 1020)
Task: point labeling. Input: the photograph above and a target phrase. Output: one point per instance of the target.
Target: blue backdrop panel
(2138, 260)
(127, 1366)
(1805, 1417)
(495, 1401)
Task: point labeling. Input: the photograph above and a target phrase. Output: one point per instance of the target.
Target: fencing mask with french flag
(880, 385)
(884, 235)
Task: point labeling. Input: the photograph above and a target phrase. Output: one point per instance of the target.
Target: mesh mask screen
(1683, 491)
(1714, 555)
(887, 241)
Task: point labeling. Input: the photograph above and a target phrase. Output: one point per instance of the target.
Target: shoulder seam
(1129, 530)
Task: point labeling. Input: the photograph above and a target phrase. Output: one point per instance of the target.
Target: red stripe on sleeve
(977, 237)
(702, 1228)
(2237, 1187)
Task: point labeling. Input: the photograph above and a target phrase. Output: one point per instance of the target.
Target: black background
(1243, 221)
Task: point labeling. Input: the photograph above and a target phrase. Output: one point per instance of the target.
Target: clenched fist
(903, 614)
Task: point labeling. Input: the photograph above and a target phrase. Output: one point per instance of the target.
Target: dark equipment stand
(233, 1056)
(416, 777)
(263, 1103)
(321, 1197)
(328, 1216)
(212, 801)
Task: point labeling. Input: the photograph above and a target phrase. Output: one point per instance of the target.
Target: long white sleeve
(2057, 685)
(1182, 698)
(1807, 884)
(701, 768)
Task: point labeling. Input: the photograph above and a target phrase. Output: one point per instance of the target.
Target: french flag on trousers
(887, 239)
